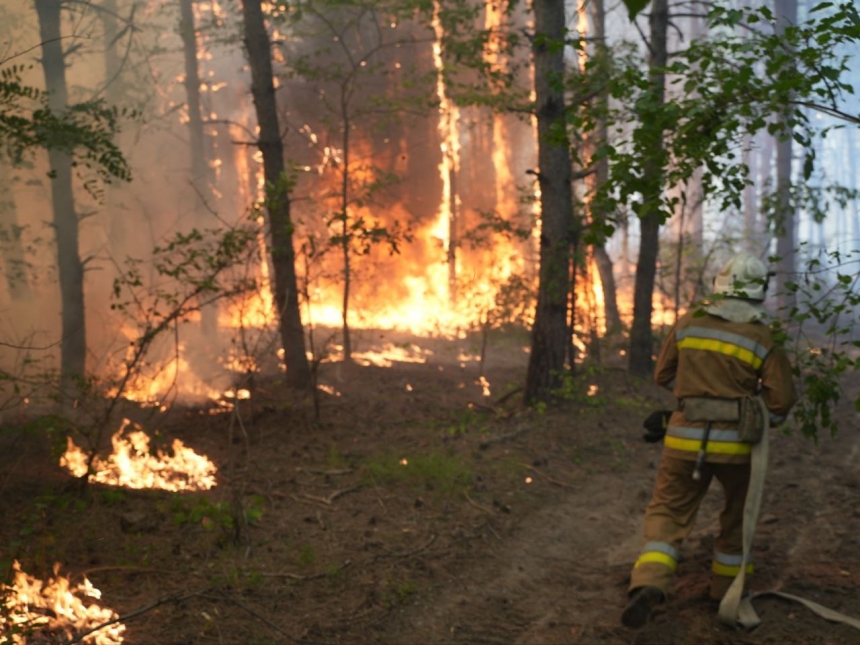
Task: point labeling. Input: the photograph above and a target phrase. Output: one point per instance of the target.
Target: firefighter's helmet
(743, 276)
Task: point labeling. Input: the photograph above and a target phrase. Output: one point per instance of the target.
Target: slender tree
(69, 266)
(650, 209)
(258, 47)
(786, 224)
(550, 334)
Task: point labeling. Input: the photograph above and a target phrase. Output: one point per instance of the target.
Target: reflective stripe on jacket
(708, 356)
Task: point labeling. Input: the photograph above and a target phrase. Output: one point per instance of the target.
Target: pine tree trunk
(601, 256)
(641, 337)
(73, 346)
(277, 195)
(550, 335)
(786, 218)
(200, 175)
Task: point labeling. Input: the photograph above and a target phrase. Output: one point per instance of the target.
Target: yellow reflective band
(715, 447)
(656, 557)
(728, 569)
(722, 347)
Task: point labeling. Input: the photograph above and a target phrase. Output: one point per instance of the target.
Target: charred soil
(416, 509)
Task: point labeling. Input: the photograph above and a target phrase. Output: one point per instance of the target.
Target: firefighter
(720, 356)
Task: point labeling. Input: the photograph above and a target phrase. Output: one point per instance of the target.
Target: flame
(390, 354)
(55, 606)
(132, 465)
(449, 117)
(485, 386)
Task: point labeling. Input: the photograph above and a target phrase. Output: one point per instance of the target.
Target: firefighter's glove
(655, 425)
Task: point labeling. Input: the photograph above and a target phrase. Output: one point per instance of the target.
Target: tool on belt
(746, 412)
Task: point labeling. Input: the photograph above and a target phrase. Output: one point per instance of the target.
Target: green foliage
(443, 473)
(734, 83)
(819, 337)
(85, 130)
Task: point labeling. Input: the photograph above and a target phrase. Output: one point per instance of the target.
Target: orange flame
(133, 466)
(55, 606)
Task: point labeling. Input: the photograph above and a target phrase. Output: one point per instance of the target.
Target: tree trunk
(641, 338)
(786, 224)
(188, 32)
(345, 232)
(11, 249)
(277, 195)
(200, 175)
(73, 346)
(550, 334)
(601, 256)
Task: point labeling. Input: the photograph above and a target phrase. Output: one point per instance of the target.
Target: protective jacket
(708, 356)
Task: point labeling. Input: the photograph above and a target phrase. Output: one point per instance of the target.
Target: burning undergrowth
(132, 464)
(55, 608)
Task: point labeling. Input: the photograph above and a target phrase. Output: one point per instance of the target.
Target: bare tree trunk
(188, 32)
(641, 336)
(69, 266)
(14, 262)
(550, 334)
(786, 224)
(200, 174)
(347, 269)
(277, 202)
(601, 256)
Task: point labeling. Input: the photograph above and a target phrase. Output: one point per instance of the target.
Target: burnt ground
(502, 526)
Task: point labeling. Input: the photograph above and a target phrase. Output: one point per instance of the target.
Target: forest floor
(417, 510)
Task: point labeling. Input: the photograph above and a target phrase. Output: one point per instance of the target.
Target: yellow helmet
(743, 276)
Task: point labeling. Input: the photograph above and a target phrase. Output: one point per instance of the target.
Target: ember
(132, 465)
(55, 607)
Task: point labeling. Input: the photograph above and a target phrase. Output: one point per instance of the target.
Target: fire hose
(735, 608)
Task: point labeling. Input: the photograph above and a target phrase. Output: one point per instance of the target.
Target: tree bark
(786, 218)
(641, 336)
(550, 335)
(277, 201)
(188, 32)
(601, 256)
(73, 347)
(200, 174)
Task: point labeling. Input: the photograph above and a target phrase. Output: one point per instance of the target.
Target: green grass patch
(439, 472)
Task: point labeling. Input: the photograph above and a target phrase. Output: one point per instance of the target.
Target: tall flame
(449, 131)
(55, 606)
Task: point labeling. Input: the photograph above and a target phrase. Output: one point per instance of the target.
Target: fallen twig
(328, 501)
(486, 443)
(480, 507)
(296, 576)
(77, 638)
(547, 477)
(270, 624)
(321, 471)
(408, 554)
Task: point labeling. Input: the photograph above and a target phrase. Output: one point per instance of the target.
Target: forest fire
(132, 465)
(55, 607)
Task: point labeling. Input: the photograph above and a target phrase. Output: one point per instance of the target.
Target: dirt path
(561, 577)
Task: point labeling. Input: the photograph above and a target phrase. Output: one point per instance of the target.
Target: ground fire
(132, 465)
(55, 608)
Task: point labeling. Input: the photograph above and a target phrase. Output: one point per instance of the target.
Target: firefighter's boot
(642, 602)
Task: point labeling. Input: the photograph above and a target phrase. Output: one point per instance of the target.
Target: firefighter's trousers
(670, 516)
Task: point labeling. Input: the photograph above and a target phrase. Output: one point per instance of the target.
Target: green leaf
(635, 7)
